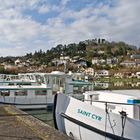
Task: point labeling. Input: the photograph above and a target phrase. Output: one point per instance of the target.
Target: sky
(29, 25)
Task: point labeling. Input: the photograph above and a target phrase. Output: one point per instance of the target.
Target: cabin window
(5, 93)
(40, 92)
(49, 80)
(21, 93)
(54, 80)
(11, 84)
(80, 89)
(40, 79)
(27, 84)
(61, 82)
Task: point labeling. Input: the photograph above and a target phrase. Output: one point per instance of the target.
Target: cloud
(64, 2)
(114, 20)
(19, 32)
(44, 9)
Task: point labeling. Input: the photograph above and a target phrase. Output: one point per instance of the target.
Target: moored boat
(36, 90)
(102, 115)
(26, 91)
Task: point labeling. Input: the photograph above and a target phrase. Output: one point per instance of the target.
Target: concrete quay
(17, 125)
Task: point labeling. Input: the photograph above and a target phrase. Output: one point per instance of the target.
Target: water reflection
(116, 85)
(43, 115)
(102, 85)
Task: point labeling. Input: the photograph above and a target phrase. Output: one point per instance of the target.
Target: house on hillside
(101, 52)
(129, 64)
(138, 75)
(118, 75)
(129, 74)
(17, 62)
(102, 61)
(110, 61)
(64, 58)
(81, 63)
(89, 71)
(95, 60)
(58, 62)
(135, 56)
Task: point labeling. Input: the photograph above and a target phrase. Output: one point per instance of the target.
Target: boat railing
(108, 102)
(8, 103)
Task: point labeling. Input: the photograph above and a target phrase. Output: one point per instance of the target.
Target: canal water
(43, 115)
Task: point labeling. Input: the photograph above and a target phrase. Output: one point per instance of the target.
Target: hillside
(88, 50)
(84, 49)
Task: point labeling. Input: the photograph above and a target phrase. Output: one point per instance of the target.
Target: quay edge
(44, 131)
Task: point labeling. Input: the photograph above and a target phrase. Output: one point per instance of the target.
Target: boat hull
(25, 102)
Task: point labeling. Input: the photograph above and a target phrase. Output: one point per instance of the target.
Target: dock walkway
(17, 125)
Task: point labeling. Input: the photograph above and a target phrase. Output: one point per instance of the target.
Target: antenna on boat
(65, 66)
(106, 110)
(108, 117)
(64, 61)
(123, 117)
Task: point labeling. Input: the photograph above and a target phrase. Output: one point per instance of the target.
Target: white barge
(103, 115)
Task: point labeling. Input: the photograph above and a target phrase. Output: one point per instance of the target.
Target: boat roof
(19, 82)
(2, 88)
(133, 92)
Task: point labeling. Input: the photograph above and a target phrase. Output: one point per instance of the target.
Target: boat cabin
(116, 101)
